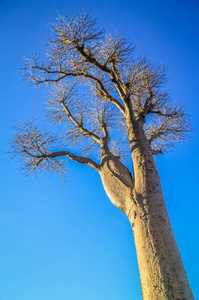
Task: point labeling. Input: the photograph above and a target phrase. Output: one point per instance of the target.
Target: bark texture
(161, 269)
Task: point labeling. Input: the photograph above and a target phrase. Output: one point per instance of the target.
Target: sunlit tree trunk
(161, 269)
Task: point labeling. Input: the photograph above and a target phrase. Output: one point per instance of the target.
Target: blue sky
(66, 240)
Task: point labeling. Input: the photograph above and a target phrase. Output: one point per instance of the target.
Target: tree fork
(161, 269)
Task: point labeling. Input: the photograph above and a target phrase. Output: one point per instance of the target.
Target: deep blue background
(66, 240)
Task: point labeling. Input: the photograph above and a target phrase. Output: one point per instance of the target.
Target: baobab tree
(109, 105)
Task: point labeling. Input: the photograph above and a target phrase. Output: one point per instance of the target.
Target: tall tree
(111, 105)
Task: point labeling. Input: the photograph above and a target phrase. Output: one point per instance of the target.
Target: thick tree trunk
(162, 273)
(161, 269)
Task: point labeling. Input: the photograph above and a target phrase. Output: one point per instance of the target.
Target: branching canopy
(94, 80)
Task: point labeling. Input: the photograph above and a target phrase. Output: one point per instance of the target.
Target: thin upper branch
(105, 93)
(116, 80)
(80, 126)
(61, 74)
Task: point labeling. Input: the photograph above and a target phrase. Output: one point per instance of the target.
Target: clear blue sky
(66, 240)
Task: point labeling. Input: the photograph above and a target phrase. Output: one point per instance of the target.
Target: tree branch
(105, 93)
(116, 80)
(157, 151)
(80, 126)
(64, 74)
(80, 159)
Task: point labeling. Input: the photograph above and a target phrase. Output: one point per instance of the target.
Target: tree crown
(94, 81)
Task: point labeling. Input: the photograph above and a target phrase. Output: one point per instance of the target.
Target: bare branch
(166, 127)
(144, 81)
(35, 146)
(64, 98)
(80, 159)
(80, 28)
(80, 126)
(76, 48)
(103, 92)
(29, 142)
(157, 151)
(39, 73)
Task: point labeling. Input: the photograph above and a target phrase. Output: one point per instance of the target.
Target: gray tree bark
(162, 273)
